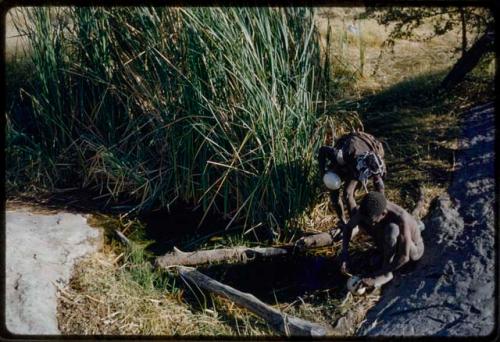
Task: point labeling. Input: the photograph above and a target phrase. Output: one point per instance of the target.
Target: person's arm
(379, 183)
(346, 238)
(324, 152)
(404, 238)
(338, 205)
(386, 272)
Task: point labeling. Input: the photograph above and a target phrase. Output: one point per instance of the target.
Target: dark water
(179, 228)
(280, 279)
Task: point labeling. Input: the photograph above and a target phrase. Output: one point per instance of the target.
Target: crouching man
(395, 232)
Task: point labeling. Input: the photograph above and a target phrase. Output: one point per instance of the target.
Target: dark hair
(373, 204)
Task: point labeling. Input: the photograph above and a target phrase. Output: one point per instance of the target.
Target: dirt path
(41, 249)
(450, 292)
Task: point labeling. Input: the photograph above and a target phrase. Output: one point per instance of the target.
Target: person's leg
(338, 205)
(417, 250)
(377, 258)
(420, 225)
(390, 242)
(383, 245)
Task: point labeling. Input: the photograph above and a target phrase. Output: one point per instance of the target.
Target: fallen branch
(318, 240)
(287, 325)
(238, 254)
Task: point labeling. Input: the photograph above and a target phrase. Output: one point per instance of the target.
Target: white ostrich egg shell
(332, 180)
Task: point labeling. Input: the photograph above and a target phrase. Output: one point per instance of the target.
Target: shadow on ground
(418, 124)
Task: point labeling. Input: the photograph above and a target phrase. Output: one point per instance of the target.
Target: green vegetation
(144, 107)
(222, 109)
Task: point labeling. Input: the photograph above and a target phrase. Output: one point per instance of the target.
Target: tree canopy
(405, 20)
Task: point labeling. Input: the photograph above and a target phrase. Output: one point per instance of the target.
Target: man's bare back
(394, 230)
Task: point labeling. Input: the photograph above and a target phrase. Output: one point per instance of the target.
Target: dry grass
(16, 45)
(382, 68)
(102, 298)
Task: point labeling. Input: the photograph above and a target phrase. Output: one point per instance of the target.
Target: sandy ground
(41, 250)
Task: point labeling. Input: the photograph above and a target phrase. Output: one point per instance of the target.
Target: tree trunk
(464, 31)
(469, 60)
(244, 254)
(238, 254)
(287, 325)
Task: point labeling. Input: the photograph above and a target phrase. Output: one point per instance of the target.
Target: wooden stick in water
(287, 325)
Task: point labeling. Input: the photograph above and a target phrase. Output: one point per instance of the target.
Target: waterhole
(278, 279)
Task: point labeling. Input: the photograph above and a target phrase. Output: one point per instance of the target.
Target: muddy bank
(450, 292)
(41, 250)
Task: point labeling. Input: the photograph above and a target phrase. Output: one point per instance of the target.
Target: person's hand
(336, 234)
(368, 282)
(344, 263)
(343, 268)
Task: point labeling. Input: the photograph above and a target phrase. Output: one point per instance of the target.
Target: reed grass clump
(217, 107)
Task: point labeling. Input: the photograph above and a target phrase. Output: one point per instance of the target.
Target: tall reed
(217, 107)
